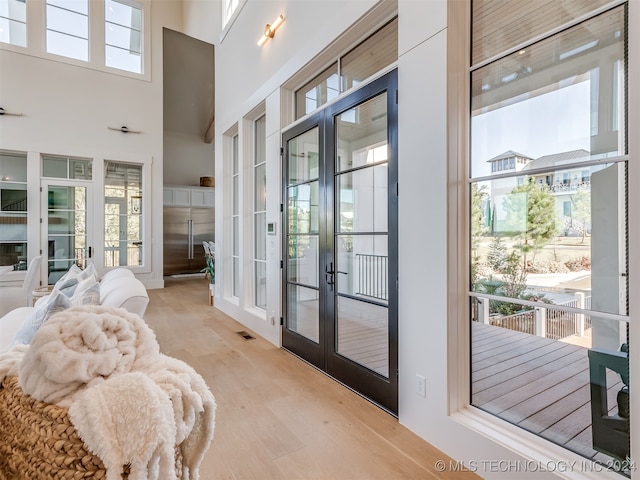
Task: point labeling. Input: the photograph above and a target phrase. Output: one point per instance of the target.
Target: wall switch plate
(421, 385)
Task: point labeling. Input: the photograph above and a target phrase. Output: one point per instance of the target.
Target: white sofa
(118, 288)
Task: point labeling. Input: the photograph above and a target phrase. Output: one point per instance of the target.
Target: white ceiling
(188, 84)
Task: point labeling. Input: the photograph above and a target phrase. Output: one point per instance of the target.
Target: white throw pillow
(44, 308)
(68, 283)
(87, 292)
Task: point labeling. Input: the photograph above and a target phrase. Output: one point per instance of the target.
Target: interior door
(66, 227)
(341, 241)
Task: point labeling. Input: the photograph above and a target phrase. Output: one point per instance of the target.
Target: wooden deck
(538, 384)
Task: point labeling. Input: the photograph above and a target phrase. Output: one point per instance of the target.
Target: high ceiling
(188, 84)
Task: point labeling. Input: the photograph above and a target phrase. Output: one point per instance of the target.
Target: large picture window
(548, 227)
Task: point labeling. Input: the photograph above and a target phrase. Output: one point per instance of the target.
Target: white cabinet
(202, 197)
(183, 196)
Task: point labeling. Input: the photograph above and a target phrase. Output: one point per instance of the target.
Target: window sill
(537, 452)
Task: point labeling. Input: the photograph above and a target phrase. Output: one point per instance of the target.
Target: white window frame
(255, 261)
(135, 5)
(489, 426)
(66, 33)
(36, 39)
(229, 18)
(25, 23)
(236, 193)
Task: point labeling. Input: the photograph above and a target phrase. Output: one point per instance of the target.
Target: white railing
(542, 321)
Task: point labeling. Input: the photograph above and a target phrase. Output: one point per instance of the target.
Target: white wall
(237, 93)
(67, 109)
(201, 19)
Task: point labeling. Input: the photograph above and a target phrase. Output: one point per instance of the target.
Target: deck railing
(372, 276)
(545, 321)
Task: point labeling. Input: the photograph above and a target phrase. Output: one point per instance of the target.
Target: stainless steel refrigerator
(185, 228)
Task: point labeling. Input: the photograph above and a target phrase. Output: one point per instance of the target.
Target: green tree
(582, 209)
(531, 213)
(497, 254)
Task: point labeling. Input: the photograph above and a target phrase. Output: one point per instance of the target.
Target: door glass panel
(303, 157)
(303, 208)
(363, 200)
(362, 266)
(123, 214)
(302, 234)
(67, 229)
(361, 257)
(303, 259)
(365, 123)
(303, 311)
(363, 334)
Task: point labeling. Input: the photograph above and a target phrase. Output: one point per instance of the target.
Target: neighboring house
(358, 111)
(563, 184)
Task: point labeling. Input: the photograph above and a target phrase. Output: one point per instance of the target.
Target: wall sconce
(270, 30)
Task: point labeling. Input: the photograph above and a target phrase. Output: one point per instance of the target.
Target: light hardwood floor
(277, 417)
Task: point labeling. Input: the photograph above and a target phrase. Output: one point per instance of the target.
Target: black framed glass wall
(548, 224)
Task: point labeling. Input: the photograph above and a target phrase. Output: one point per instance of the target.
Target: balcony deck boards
(538, 384)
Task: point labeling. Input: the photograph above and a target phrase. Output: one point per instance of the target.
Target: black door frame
(377, 388)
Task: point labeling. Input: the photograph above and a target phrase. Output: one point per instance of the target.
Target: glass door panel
(363, 334)
(303, 234)
(66, 228)
(361, 240)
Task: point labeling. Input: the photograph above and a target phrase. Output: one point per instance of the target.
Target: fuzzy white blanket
(127, 420)
(81, 346)
(127, 401)
(10, 361)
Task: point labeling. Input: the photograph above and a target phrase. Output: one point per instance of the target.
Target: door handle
(90, 252)
(328, 275)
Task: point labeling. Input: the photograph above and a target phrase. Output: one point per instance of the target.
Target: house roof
(508, 154)
(557, 159)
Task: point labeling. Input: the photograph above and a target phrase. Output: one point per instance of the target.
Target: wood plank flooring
(277, 417)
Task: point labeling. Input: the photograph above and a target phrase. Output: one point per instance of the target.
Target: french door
(66, 229)
(340, 269)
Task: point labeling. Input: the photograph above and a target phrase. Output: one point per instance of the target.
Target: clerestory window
(123, 35)
(13, 22)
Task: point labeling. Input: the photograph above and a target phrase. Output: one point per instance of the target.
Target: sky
(555, 122)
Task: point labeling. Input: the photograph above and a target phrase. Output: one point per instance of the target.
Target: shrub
(578, 264)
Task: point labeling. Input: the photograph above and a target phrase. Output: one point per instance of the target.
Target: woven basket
(38, 441)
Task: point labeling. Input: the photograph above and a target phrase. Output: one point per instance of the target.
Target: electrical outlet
(421, 385)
